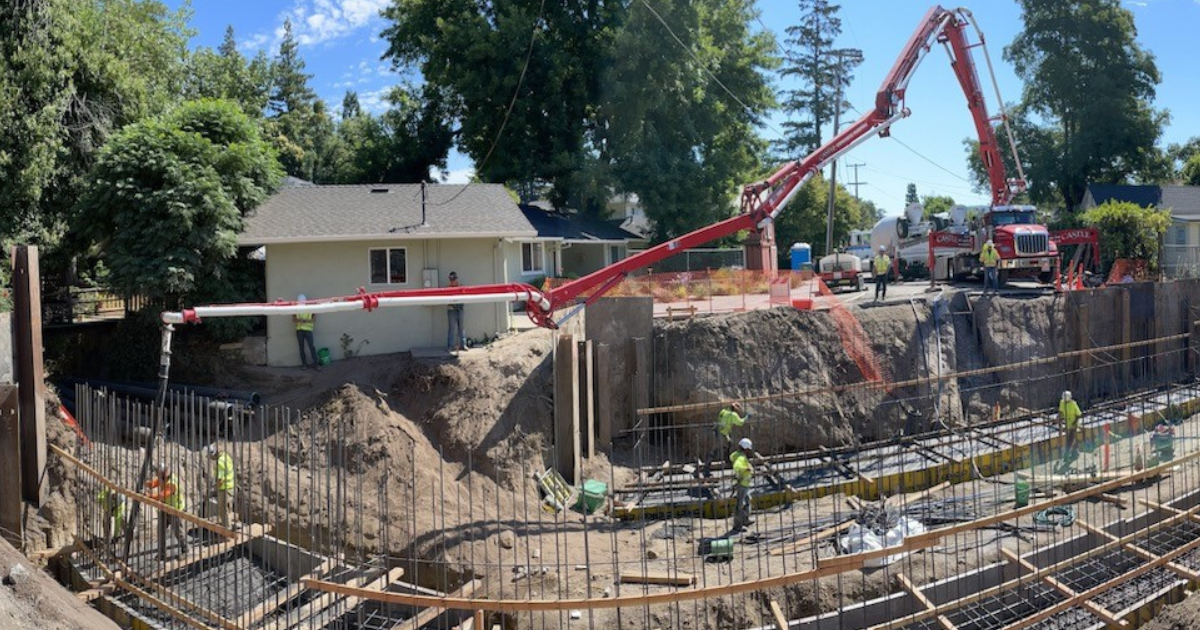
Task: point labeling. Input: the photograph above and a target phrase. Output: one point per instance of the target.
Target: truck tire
(1046, 277)
(1002, 277)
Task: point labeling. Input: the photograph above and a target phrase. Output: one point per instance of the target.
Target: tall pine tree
(815, 62)
(299, 125)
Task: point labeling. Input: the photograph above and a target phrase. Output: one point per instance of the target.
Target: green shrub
(1128, 230)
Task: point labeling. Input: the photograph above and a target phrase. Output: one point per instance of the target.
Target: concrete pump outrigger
(761, 203)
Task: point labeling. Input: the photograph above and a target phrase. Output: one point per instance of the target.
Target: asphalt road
(919, 289)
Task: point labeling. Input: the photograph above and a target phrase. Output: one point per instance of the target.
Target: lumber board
(919, 595)
(662, 579)
(141, 498)
(209, 552)
(913, 497)
(812, 538)
(777, 613)
(433, 612)
(318, 604)
(1064, 590)
(1178, 569)
(46, 554)
(264, 608)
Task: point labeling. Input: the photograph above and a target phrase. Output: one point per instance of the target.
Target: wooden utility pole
(27, 338)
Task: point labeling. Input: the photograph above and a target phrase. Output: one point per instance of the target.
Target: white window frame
(1181, 233)
(541, 258)
(387, 271)
(608, 253)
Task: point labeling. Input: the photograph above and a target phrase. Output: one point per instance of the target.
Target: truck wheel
(1046, 277)
(1002, 277)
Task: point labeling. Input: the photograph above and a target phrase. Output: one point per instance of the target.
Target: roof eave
(245, 241)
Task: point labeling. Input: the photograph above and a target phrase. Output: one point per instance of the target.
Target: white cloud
(317, 21)
(254, 42)
(374, 101)
(453, 176)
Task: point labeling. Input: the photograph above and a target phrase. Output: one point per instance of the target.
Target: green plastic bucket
(593, 496)
(323, 357)
(720, 548)
(1022, 487)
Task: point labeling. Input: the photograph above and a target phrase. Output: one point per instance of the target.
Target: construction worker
(456, 339)
(305, 322)
(880, 267)
(727, 419)
(743, 473)
(165, 488)
(223, 481)
(112, 509)
(990, 258)
(1068, 414)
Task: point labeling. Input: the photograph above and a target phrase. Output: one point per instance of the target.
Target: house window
(1180, 234)
(614, 253)
(532, 258)
(389, 266)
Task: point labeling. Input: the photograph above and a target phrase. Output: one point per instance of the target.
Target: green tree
(350, 106)
(910, 194)
(71, 72)
(869, 214)
(399, 146)
(675, 137)
(1090, 87)
(936, 204)
(226, 74)
(1191, 171)
(298, 124)
(804, 218)
(818, 65)
(166, 198)
(1128, 231)
(526, 115)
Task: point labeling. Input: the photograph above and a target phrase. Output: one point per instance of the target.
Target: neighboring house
(627, 208)
(571, 245)
(325, 241)
(1181, 245)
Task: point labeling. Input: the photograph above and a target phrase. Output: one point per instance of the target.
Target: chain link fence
(1181, 261)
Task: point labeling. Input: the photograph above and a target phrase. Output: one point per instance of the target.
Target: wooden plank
(780, 620)
(1120, 502)
(264, 608)
(141, 498)
(566, 410)
(316, 605)
(30, 370)
(652, 577)
(808, 540)
(433, 612)
(1109, 619)
(603, 384)
(207, 553)
(919, 595)
(12, 506)
(913, 497)
(587, 400)
(1179, 569)
(46, 554)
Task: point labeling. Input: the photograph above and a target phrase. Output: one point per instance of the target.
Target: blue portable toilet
(801, 256)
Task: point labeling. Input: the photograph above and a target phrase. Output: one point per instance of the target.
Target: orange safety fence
(854, 339)
(1129, 269)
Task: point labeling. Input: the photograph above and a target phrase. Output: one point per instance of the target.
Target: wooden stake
(665, 579)
(780, 620)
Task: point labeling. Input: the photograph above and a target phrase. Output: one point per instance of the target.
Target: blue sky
(340, 43)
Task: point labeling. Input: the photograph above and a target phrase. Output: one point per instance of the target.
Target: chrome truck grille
(1029, 244)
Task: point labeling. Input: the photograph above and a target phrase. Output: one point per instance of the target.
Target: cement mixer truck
(948, 245)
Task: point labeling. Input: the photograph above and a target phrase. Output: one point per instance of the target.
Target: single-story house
(1181, 246)
(326, 241)
(574, 245)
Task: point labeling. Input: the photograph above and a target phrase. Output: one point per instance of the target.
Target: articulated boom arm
(761, 201)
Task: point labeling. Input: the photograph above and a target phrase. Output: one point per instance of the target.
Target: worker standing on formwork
(727, 419)
(1068, 414)
(165, 488)
(743, 472)
(223, 482)
(881, 266)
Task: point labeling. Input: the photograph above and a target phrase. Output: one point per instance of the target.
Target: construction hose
(1059, 515)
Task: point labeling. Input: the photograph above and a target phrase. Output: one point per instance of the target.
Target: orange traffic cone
(1057, 279)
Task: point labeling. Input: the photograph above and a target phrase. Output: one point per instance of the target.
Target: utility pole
(857, 182)
(841, 56)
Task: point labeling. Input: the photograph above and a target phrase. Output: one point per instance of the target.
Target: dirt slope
(40, 602)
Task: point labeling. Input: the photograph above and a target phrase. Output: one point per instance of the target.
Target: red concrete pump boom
(761, 201)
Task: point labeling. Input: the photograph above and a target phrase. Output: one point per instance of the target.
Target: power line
(511, 103)
(857, 182)
(914, 152)
(704, 67)
(921, 181)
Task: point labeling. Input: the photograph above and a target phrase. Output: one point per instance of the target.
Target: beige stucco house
(325, 241)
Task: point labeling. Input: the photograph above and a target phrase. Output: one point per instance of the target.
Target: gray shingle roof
(340, 213)
(573, 227)
(1183, 201)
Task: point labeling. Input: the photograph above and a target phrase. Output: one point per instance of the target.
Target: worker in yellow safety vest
(223, 481)
(880, 268)
(727, 419)
(990, 258)
(743, 473)
(305, 322)
(1068, 414)
(112, 510)
(165, 487)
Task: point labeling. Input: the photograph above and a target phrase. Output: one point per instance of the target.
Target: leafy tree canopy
(1128, 230)
(805, 217)
(166, 198)
(936, 204)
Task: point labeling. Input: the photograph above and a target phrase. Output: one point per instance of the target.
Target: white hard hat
(1067, 395)
(302, 298)
(989, 242)
(882, 248)
(745, 444)
(211, 450)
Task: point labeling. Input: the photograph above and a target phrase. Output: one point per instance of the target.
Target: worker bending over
(112, 509)
(727, 419)
(743, 472)
(1068, 414)
(990, 258)
(165, 488)
(880, 266)
(223, 482)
